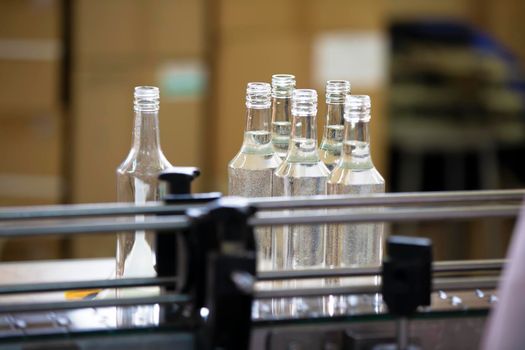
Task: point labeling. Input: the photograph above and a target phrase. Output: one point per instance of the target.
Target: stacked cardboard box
(30, 115)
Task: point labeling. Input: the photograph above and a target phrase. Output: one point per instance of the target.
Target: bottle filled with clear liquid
(332, 142)
(355, 244)
(250, 171)
(282, 89)
(137, 182)
(302, 173)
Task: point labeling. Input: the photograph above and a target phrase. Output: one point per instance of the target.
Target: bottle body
(137, 183)
(250, 171)
(299, 246)
(250, 175)
(355, 244)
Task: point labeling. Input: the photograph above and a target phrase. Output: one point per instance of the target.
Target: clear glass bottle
(250, 171)
(137, 182)
(282, 89)
(302, 173)
(332, 143)
(355, 244)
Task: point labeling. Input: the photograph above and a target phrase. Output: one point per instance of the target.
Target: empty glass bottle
(302, 173)
(137, 182)
(332, 143)
(250, 171)
(282, 88)
(355, 244)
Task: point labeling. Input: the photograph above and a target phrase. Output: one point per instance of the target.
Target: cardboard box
(109, 33)
(31, 248)
(30, 149)
(344, 14)
(30, 174)
(28, 87)
(416, 9)
(31, 144)
(239, 18)
(30, 19)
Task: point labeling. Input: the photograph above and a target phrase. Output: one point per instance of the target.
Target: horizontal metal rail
(386, 215)
(158, 223)
(82, 304)
(437, 267)
(446, 284)
(163, 223)
(80, 285)
(387, 199)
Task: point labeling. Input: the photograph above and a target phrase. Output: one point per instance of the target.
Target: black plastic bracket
(222, 248)
(171, 251)
(407, 274)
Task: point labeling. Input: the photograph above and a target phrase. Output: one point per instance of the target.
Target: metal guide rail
(242, 305)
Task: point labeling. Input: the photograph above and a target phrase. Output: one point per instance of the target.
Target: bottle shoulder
(292, 169)
(349, 176)
(145, 166)
(251, 161)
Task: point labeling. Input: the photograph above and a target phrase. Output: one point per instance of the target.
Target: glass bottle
(332, 143)
(282, 88)
(250, 171)
(137, 182)
(355, 244)
(302, 173)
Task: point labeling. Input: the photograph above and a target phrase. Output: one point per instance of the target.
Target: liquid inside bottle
(250, 171)
(282, 89)
(332, 143)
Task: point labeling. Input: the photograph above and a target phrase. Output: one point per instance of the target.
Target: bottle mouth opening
(357, 107)
(304, 102)
(146, 98)
(258, 95)
(146, 92)
(283, 79)
(338, 88)
(304, 95)
(283, 85)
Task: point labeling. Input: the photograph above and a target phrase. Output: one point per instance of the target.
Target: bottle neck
(356, 144)
(258, 119)
(303, 143)
(334, 119)
(281, 109)
(146, 139)
(257, 135)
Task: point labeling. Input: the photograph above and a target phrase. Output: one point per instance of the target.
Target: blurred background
(446, 79)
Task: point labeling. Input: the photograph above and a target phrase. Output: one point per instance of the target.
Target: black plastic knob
(179, 179)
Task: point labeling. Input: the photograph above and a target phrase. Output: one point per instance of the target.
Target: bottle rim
(357, 107)
(146, 92)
